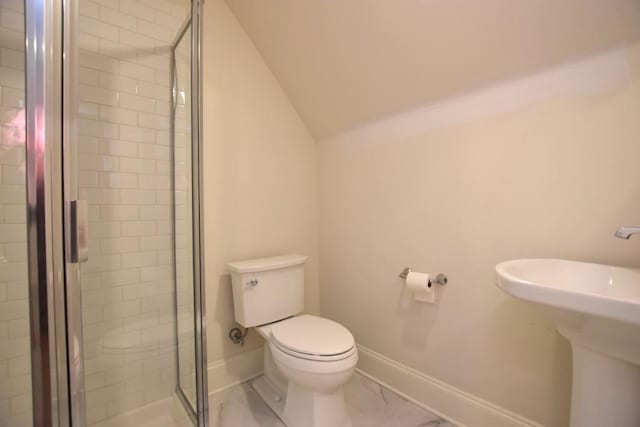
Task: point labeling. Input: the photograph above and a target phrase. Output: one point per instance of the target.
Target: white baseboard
(455, 405)
(226, 373)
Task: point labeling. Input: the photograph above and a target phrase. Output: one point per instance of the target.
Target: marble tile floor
(369, 404)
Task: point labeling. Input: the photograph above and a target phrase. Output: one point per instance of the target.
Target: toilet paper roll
(419, 284)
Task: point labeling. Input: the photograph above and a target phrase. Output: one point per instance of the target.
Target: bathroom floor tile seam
(369, 404)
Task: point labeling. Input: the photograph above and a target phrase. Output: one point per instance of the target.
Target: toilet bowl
(315, 357)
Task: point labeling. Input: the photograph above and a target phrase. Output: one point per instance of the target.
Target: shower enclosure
(101, 286)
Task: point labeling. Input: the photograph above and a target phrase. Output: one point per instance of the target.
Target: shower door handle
(77, 231)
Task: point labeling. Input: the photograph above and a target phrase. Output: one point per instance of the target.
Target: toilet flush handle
(252, 283)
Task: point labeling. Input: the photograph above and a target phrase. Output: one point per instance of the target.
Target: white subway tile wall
(125, 174)
(15, 356)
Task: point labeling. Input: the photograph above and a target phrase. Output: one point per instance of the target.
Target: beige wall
(546, 166)
(260, 173)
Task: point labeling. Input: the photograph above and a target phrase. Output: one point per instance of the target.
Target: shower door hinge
(77, 238)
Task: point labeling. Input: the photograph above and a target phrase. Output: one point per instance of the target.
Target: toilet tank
(267, 289)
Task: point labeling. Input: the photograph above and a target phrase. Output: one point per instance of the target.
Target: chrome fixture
(440, 278)
(237, 336)
(626, 232)
(78, 223)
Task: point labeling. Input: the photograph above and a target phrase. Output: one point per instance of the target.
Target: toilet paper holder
(440, 278)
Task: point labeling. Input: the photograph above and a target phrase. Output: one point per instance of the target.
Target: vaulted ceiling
(345, 62)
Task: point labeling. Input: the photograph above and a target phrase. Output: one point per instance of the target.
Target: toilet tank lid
(264, 264)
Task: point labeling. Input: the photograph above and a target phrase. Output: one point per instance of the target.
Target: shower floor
(369, 403)
(163, 413)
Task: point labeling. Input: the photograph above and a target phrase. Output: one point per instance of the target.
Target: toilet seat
(307, 366)
(314, 357)
(312, 338)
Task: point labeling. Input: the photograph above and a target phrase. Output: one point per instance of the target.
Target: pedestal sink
(597, 308)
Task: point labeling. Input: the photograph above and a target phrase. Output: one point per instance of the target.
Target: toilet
(307, 359)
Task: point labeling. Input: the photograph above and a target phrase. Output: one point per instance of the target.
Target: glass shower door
(120, 176)
(88, 216)
(183, 216)
(188, 253)
(15, 354)
(33, 345)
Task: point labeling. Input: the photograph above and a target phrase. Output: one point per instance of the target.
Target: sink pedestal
(605, 390)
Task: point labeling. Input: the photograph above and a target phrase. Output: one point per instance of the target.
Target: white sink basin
(597, 308)
(596, 289)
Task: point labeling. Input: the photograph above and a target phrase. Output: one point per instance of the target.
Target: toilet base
(306, 408)
(299, 406)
